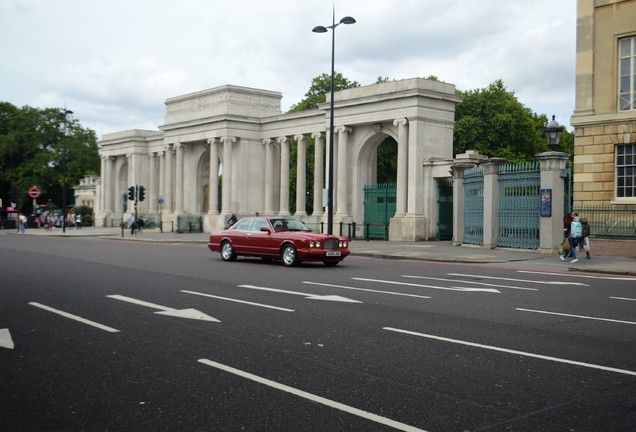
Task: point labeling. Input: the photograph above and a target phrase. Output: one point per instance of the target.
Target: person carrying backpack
(576, 237)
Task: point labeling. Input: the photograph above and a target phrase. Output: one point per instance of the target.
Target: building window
(626, 171)
(627, 73)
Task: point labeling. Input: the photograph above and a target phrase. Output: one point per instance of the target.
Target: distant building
(86, 192)
(604, 117)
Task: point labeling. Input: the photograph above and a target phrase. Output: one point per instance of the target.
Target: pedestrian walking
(586, 237)
(132, 224)
(576, 237)
(78, 221)
(22, 220)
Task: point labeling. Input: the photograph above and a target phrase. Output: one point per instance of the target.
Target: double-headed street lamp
(321, 29)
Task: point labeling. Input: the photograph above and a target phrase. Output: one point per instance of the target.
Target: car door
(238, 236)
(259, 242)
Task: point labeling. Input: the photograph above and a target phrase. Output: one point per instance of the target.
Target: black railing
(616, 222)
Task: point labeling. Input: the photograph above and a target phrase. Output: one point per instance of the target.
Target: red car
(278, 238)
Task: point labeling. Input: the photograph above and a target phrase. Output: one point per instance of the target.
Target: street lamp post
(63, 115)
(322, 29)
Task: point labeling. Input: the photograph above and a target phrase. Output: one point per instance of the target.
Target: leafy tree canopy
(494, 122)
(43, 147)
(320, 87)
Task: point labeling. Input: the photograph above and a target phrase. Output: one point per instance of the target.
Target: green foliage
(43, 147)
(494, 122)
(87, 214)
(320, 87)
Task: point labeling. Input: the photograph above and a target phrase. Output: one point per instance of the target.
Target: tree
(494, 122)
(320, 87)
(43, 147)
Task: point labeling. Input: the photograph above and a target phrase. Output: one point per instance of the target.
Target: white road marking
(509, 351)
(306, 295)
(471, 282)
(75, 317)
(366, 289)
(576, 316)
(520, 280)
(5, 339)
(465, 289)
(238, 301)
(164, 310)
(312, 397)
(578, 275)
(623, 298)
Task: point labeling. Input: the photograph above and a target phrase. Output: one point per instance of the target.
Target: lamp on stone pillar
(322, 29)
(553, 132)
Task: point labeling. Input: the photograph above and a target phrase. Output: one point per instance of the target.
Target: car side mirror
(267, 230)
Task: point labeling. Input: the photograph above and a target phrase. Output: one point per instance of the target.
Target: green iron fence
(445, 209)
(474, 206)
(614, 222)
(379, 208)
(519, 205)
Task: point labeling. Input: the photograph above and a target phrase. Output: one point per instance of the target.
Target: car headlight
(342, 243)
(315, 244)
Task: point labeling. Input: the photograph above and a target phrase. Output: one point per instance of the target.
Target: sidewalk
(442, 251)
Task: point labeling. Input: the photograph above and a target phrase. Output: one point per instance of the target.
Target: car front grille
(331, 243)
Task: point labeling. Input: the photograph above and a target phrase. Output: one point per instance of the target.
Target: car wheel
(227, 251)
(331, 263)
(289, 256)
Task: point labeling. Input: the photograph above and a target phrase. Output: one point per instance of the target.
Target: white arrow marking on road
(238, 301)
(520, 280)
(490, 290)
(334, 298)
(471, 282)
(164, 310)
(367, 289)
(5, 339)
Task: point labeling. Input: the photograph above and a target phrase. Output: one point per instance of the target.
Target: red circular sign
(34, 192)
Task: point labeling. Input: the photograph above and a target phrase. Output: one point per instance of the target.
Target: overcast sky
(115, 62)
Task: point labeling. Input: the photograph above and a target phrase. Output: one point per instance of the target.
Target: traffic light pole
(136, 193)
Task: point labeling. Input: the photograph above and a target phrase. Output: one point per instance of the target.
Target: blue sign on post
(546, 202)
(160, 200)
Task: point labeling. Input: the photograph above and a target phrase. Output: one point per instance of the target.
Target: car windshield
(288, 225)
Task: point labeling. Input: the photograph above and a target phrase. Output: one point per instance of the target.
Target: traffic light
(131, 193)
(142, 193)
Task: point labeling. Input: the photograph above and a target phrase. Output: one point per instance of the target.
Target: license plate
(333, 253)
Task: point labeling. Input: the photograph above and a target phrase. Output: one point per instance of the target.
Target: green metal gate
(379, 208)
(519, 205)
(445, 209)
(474, 206)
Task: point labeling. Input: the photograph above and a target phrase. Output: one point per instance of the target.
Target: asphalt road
(99, 335)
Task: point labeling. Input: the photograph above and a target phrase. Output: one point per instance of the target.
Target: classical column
(227, 173)
(105, 190)
(162, 179)
(284, 175)
(301, 176)
(213, 192)
(152, 194)
(402, 167)
(178, 187)
(343, 169)
(268, 143)
(169, 185)
(319, 172)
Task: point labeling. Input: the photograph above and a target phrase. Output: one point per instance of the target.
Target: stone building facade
(227, 149)
(604, 118)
